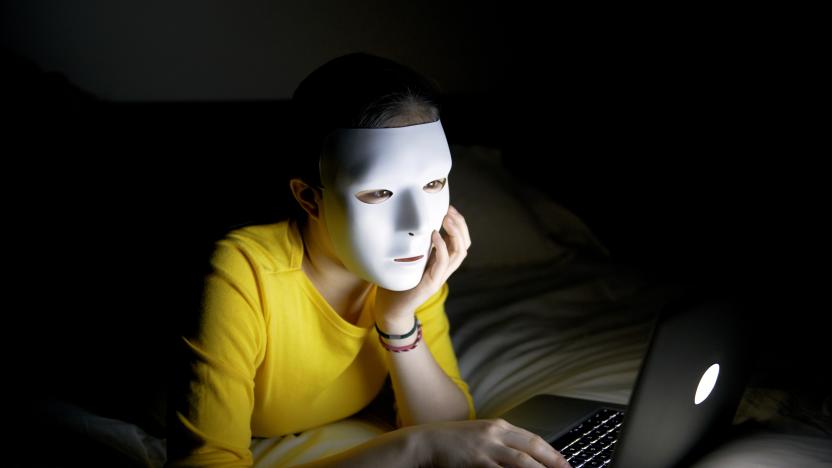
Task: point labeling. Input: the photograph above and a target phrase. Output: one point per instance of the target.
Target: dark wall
(688, 143)
(194, 50)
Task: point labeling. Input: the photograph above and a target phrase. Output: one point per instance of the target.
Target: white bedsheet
(572, 329)
(765, 449)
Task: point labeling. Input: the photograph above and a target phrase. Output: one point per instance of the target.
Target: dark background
(138, 133)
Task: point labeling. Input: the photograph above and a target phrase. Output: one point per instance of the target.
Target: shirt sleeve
(436, 334)
(211, 417)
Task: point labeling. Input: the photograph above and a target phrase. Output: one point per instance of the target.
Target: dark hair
(357, 90)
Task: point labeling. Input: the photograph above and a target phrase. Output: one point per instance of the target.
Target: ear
(307, 196)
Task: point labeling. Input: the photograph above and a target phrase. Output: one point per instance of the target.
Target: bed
(538, 307)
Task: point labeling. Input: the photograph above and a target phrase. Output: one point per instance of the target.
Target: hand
(396, 308)
(483, 442)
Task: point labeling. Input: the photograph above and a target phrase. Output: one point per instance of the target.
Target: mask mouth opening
(408, 259)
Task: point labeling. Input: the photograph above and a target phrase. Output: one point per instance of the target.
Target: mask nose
(412, 216)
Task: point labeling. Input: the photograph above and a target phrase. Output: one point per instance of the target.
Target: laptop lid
(690, 383)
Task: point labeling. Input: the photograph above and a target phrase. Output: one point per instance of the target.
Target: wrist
(418, 445)
(397, 326)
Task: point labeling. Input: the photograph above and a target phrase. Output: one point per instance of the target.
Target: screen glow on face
(706, 384)
(385, 191)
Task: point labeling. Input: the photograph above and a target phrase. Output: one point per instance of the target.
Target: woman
(302, 321)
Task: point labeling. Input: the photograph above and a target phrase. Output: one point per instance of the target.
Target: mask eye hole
(435, 185)
(373, 196)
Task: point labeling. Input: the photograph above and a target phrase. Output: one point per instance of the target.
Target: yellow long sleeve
(268, 356)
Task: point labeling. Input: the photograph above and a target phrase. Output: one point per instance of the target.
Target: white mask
(393, 171)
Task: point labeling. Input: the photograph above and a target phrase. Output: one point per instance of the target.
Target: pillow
(560, 224)
(505, 231)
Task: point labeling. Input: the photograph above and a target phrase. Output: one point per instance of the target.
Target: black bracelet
(416, 325)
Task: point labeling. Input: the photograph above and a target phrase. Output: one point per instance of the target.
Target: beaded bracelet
(400, 349)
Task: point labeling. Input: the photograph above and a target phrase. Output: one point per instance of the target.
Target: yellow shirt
(271, 357)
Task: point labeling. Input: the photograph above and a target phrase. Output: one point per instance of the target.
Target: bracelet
(400, 337)
(400, 349)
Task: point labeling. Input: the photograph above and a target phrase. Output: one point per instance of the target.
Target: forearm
(424, 392)
(402, 447)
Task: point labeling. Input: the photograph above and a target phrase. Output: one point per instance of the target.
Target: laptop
(687, 391)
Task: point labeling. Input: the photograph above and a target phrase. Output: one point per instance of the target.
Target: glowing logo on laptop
(706, 384)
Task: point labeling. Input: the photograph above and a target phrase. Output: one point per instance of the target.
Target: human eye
(374, 196)
(435, 185)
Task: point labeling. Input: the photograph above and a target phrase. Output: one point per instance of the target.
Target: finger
(460, 231)
(457, 250)
(534, 445)
(508, 456)
(441, 253)
(460, 221)
(429, 266)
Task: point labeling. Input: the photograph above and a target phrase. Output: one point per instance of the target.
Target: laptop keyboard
(592, 442)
